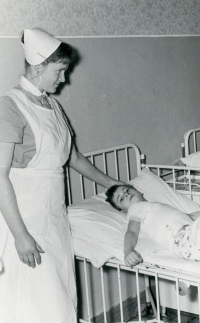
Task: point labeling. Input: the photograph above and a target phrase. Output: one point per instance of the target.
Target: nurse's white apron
(47, 293)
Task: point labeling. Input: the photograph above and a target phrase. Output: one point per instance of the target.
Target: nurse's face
(51, 75)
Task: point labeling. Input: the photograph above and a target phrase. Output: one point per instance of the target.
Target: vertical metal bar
(152, 301)
(177, 297)
(82, 187)
(87, 290)
(68, 186)
(120, 293)
(146, 281)
(127, 164)
(157, 299)
(104, 163)
(190, 185)
(143, 160)
(198, 296)
(103, 295)
(138, 294)
(174, 180)
(116, 165)
(195, 143)
(93, 183)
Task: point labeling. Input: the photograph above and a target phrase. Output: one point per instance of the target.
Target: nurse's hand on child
(132, 258)
(28, 250)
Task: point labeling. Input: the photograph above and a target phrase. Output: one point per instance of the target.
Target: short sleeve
(12, 121)
(138, 211)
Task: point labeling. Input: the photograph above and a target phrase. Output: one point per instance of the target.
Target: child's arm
(194, 215)
(131, 256)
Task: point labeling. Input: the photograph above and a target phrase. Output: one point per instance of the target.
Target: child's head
(122, 196)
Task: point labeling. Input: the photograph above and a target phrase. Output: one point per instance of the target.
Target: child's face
(125, 196)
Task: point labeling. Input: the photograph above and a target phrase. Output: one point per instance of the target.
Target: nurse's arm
(27, 248)
(83, 166)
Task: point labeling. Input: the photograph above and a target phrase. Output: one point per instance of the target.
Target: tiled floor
(172, 317)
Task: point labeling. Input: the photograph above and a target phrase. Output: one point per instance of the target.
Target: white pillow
(192, 160)
(156, 190)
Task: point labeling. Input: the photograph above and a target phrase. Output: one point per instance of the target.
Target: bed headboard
(191, 139)
(121, 162)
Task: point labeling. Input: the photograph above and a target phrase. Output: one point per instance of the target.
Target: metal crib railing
(149, 271)
(102, 153)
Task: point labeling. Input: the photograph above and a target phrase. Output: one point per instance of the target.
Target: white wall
(137, 89)
(143, 90)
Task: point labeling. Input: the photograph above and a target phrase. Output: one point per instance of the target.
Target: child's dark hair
(110, 194)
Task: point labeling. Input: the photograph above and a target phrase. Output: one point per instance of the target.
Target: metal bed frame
(190, 141)
(147, 271)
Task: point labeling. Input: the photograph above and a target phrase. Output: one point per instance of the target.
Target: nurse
(37, 284)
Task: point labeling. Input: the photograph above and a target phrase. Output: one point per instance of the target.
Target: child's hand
(132, 258)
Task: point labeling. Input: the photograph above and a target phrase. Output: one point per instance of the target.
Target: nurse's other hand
(115, 182)
(28, 250)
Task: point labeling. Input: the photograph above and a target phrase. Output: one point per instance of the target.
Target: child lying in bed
(177, 231)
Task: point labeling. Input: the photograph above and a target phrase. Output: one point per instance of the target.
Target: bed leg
(163, 310)
(152, 301)
(146, 282)
(164, 315)
(148, 301)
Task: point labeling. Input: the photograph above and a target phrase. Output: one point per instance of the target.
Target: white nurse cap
(38, 45)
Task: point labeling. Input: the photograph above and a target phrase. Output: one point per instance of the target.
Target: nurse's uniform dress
(47, 293)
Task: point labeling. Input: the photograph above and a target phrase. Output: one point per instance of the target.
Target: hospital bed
(108, 291)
